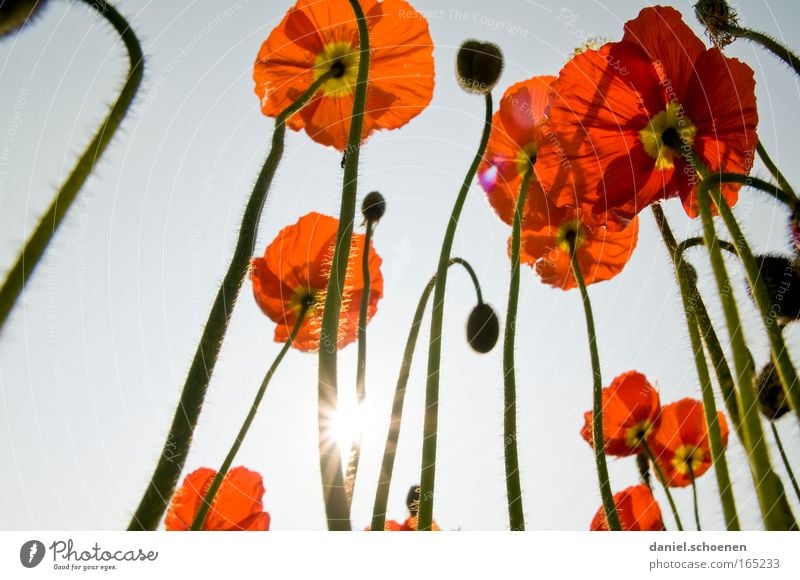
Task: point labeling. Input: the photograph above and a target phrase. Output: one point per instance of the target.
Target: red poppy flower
(294, 272)
(390, 526)
(601, 252)
(626, 112)
(630, 414)
(236, 507)
(638, 511)
(520, 134)
(315, 37)
(410, 525)
(680, 444)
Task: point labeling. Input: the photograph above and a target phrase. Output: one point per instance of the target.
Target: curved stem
(37, 243)
(697, 241)
(663, 481)
(785, 459)
(775, 510)
(610, 509)
(773, 169)
(428, 474)
(689, 297)
(200, 518)
(337, 508)
(176, 448)
(392, 437)
(516, 514)
(769, 43)
(361, 369)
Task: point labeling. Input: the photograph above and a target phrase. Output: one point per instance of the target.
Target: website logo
(31, 553)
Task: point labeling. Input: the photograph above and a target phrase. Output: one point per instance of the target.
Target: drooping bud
(412, 500)
(780, 276)
(771, 396)
(373, 207)
(478, 66)
(14, 14)
(483, 328)
(718, 18)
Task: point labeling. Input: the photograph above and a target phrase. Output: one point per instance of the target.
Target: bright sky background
(94, 357)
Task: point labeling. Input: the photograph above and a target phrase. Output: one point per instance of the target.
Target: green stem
(176, 448)
(689, 295)
(694, 498)
(775, 510)
(663, 481)
(430, 431)
(37, 243)
(361, 369)
(776, 173)
(200, 518)
(337, 509)
(697, 241)
(516, 515)
(643, 466)
(769, 43)
(612, 517)
(785, 459)
(780, 354)
(390, 449)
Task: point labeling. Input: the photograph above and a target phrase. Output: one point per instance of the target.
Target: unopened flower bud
(483, 328)
(14, 14)
(373, 207)
(478, 66)
(718, 18)
(780, 276)
(412, 500)
(771, 396)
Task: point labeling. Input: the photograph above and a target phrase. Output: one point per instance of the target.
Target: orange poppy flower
(638, 511)
(390, 526)
(630, 414)
(601, 252)
(315, 37)
(625, 114)
(519, 131)
(680, 444)
(236, 507)
(410, 525)
(294, 273)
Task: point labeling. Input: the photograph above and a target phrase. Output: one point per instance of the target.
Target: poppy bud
(781, 278)
(478, 66)
(373, 207)
(483, 328)
(15, 13)
(717, 16)
(771, 396)
(412, 500)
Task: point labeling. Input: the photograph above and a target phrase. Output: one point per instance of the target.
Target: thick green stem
(776, 173)
(689, 296)
(430, 431)
(663, 481)
(775, 510)
(337, 508)
(200, 518)
(37, 243)
(361, 369)
(780, 354)
(769, 43)
(176, 448)
(599, 445)
(785, 459)
(392, 437)
(516, 514)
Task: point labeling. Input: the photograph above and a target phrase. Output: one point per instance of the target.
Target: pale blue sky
(93, 358)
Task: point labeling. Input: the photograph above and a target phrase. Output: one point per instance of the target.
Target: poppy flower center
(686, 456)
(667, 134)
(638, 433)
(304, 299)
(526, 157)
(341, 60)
(568, 234)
